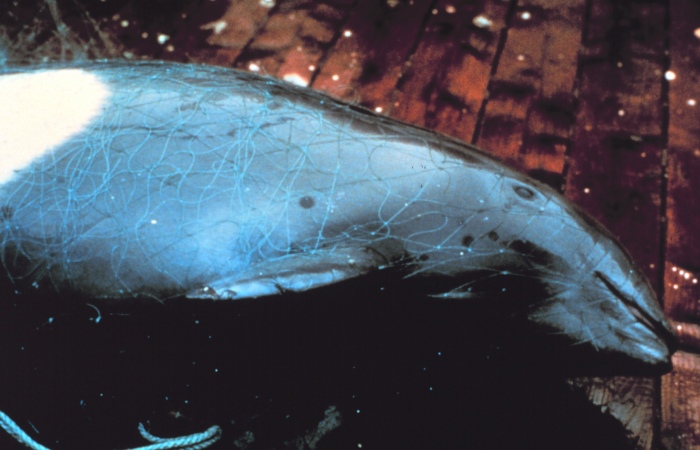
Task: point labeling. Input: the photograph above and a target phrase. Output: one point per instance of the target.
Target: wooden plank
(295, 39)
(616, 156)
(208, 28)
(681, 417)
(444, 84)
(681, 389)
(683, 205)
(530, 110)
(615, 167)
(630, 400)
(367, 61)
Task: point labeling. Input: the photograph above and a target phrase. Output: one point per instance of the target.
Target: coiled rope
(195, 441)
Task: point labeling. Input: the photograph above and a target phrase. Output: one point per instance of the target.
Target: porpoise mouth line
(642, 316)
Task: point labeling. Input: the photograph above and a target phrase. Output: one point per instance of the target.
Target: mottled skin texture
(211, 183)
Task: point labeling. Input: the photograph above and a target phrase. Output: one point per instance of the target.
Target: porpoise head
(572, 277)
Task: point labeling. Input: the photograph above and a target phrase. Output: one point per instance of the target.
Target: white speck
(679, 328)
(619, 64)
(439, 353)
(482, 21)
(347, 33)
(267, 3)
(675, 286)
(697, 33)
(312, 68)
(586, 190)
(335, 77)
(378, 109)
(450, 9)
(621, 112)
(124, 23)
(357, 411)
(486, 219)
(163, 38)
(521, 57)
(674, 269)
(686, 276)
(670, 75)
(296, 79)
(154, 221)
(525, 15)
(217, 27)
(691, 102)
(254, 67)
(434, 11)
(359, 445)
(50, 319)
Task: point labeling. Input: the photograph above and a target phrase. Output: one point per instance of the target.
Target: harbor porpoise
(160, 180)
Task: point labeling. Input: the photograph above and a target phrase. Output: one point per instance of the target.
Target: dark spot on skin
(273, 104)
(188, 106)
(424, 257)
(6, 212)
(524, 193)
(467, 240)
(307, 202)
(493, 235)
(533, 253)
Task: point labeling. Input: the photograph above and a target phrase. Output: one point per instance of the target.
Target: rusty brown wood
(683, 244)
(366, 62)
(295, 39)
(444, 84)
(530, 110)
(681, 388)
(681, 415)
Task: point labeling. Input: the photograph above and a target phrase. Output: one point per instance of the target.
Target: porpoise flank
(125, 179)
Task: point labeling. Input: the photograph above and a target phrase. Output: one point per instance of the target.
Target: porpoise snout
(652, 336)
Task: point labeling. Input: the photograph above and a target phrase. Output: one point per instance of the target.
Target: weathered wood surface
(598, 98)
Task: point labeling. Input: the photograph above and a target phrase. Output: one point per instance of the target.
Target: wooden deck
(598, 98)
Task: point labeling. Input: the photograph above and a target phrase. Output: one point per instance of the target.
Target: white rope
(16, 432)
(195, 441)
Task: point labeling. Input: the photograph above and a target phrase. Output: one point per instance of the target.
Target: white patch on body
(41, 110)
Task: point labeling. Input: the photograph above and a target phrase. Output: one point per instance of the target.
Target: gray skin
(211, 183)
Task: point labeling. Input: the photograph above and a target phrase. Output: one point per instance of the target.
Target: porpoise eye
(307, 202)
(524, 193)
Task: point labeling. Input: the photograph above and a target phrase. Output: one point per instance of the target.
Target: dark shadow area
(403, 372)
